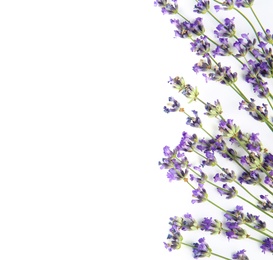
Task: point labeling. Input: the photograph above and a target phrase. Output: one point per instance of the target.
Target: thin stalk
(265, 188)
(257, 19)
(254, 206)
(220, 256)
(249, 22)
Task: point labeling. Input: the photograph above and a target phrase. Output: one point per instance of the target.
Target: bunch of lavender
(226, 154)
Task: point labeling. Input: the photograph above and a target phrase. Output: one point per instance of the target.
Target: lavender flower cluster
(248, 164)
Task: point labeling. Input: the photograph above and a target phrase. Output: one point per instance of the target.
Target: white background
(82, 130)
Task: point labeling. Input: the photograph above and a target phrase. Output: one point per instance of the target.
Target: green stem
(265, 188)
(258, 20)
(269, 102)
(242, 198)
(220, 256)
(182, 16)
(249, 22)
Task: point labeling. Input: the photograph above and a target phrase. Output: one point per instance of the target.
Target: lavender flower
(189, 223)
(227, 176)
(210, 159)
(190, 93)
(267, 245)
(255, 162)
(236, 215)
(269, 180)
(176, 223)
(183, 28)
(174, 240)
(266, 205)
(178, 83)
(187, 142)
(268, 37)
(223, 75)
(226, 5)
(230, 192)
(201, 249)
(202, 6)
(223, 49)
(200, 194)
(174, 159)
(244, 45)
(213, 110)
(177, 174)
(225, 30)
(203, 177)
(200, 46)
(235, 231)
(251, 177)
(194, 121)
(228, 128)
(197, 27)
(240, 255)
(244, 3)
(215, 227)
(259, 113)
(173, 106)
(202, 65)
(167, 7)
(255, 221)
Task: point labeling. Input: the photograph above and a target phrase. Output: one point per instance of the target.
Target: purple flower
(215, 227)
(236, 215)
(173, 106)
(251, 177)
(240, 255)
(190, 93)
(194, 121)
(213, 110)
(202, 65)
(227, 176)
(202, 6)
(167, 7)
(183, 28)
(259, 113)
(187, 142)
(269, 180)
(228, 128)
(167, 151)
(223, 49)
(267, 245)
(197, 26)
(210, 159)
(226, 5)
(177, 174)
(177, 83)
(266, 205)
(222, 75)
(268, 161)
(203, 177)
(201, 249)
(225, 30)
(189, 223)
(200, 194)
(230, 192)
(268, 37)
(235, 231)
(244, 3)
(176, 223)
(244, 45)
(174, 240)
(255, 221)
(200, 46)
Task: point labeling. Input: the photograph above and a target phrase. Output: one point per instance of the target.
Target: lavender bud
(201, 249)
